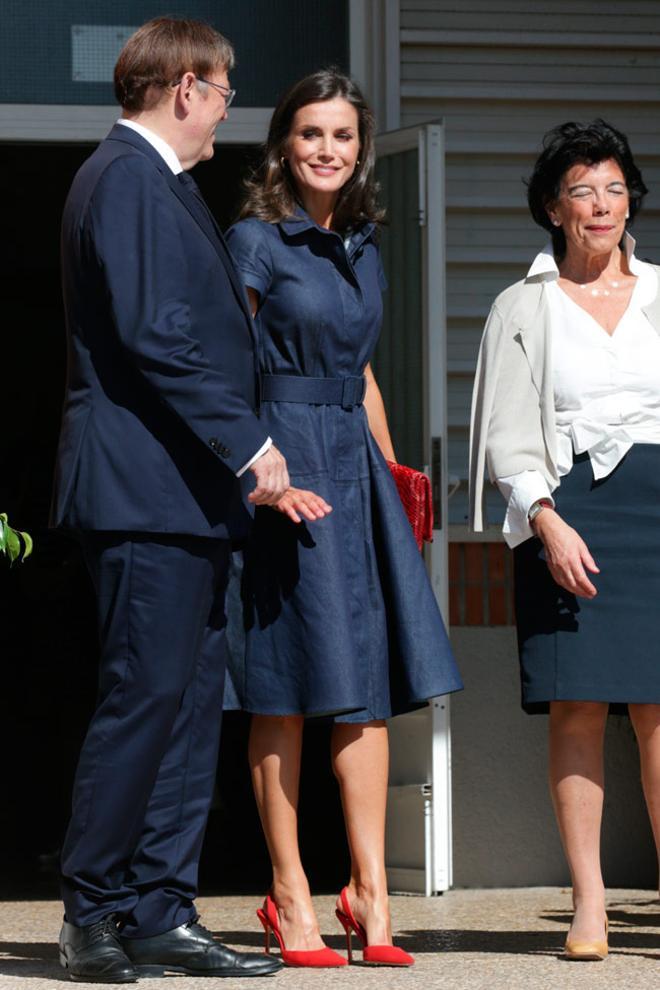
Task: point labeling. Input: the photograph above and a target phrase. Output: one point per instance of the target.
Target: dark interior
(49, 641)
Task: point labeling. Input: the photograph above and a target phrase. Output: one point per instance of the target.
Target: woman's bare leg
(646, 723)
(360, 760)
(576, 783)
(274, 753)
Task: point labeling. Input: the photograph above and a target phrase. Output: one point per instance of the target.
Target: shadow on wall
(504, 828)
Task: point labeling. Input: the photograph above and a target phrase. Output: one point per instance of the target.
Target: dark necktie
(189, 183)
(186, 179)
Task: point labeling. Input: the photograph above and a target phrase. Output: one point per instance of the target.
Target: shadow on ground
(40, 959)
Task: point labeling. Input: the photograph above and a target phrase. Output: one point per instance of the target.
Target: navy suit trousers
(146, 774)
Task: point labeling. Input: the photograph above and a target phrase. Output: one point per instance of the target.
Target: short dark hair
(271, 192)
(571, 144)
(160, 52)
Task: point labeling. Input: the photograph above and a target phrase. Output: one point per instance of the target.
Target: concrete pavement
(464, 940)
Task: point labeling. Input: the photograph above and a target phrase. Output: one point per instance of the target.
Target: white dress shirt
(606, 387)
(172, 160)
(164, 149)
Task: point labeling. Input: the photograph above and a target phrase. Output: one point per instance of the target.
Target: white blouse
(607, 388)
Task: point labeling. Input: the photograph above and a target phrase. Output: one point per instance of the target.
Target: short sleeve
(249, 248)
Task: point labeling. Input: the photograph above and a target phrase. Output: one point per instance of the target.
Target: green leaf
(13, 544)
(29, 544)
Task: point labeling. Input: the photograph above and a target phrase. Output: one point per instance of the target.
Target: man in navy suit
(159, 426)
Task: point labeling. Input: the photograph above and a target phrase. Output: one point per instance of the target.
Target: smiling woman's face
(323, 147)
(592, 206)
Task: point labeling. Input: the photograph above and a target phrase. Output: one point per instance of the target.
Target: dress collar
(301, 222)
(544, 267)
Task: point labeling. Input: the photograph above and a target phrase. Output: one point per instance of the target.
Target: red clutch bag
(415, 492)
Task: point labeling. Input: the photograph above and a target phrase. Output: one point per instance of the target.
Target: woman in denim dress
(339, 614)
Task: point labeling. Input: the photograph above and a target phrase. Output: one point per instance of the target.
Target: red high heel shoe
(319, 958)
(372, 955)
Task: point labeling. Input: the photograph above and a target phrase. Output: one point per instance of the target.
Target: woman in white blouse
(566, 419)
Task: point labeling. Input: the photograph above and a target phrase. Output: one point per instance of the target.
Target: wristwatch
(538, 506)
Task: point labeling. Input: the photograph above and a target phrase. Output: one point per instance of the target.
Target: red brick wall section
(480, 584)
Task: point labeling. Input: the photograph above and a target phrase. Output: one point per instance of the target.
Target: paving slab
(463, 940)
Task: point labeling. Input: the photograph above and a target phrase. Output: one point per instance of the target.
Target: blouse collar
(544, 267)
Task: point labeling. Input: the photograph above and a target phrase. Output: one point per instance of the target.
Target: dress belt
(344, 392)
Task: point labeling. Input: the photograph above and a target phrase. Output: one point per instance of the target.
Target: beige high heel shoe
(594, 951)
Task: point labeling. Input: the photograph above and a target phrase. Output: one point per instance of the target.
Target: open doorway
(49, 647)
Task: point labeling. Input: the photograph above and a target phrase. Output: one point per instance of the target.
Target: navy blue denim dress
(339, 614)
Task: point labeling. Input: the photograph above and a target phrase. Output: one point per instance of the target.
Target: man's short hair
(160, 52)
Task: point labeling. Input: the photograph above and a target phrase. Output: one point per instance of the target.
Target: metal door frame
(428, 139)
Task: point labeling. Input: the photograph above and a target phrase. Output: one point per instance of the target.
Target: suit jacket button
(225, 452)
(213, 443)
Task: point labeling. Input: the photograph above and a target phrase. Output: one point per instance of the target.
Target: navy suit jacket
(162, 370)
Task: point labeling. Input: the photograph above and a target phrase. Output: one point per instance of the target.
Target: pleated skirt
(607, 648)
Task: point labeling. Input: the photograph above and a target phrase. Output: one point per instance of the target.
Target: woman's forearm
(373, 403)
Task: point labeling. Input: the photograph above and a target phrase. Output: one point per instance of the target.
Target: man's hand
(272, 478)
(566, 554)
(297, 503)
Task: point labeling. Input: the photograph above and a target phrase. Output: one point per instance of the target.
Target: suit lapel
(202, 217)
(212, 231)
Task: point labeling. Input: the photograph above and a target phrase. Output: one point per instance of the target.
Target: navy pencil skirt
(607, 648)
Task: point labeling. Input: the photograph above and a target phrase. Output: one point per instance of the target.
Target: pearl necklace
(600, 292)
(614, 284)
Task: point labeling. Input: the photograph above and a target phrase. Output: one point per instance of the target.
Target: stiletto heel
(347, 932)
(318, 958)
(264, 921)
(372, 955)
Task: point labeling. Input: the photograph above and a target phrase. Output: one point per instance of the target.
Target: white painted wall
(504, 829)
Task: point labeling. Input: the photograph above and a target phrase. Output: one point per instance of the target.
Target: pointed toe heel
(372, 955)
(324, 958)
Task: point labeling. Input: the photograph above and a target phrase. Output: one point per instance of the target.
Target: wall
(69, 58)
(500, 73)
(504, 829)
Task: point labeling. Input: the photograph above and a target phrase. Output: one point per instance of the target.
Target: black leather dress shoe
(94, 954)
(192, 950)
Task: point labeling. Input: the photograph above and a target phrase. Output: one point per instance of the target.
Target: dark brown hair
(271, 191)
(160, 52)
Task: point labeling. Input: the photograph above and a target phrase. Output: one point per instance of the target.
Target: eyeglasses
(227, 94)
